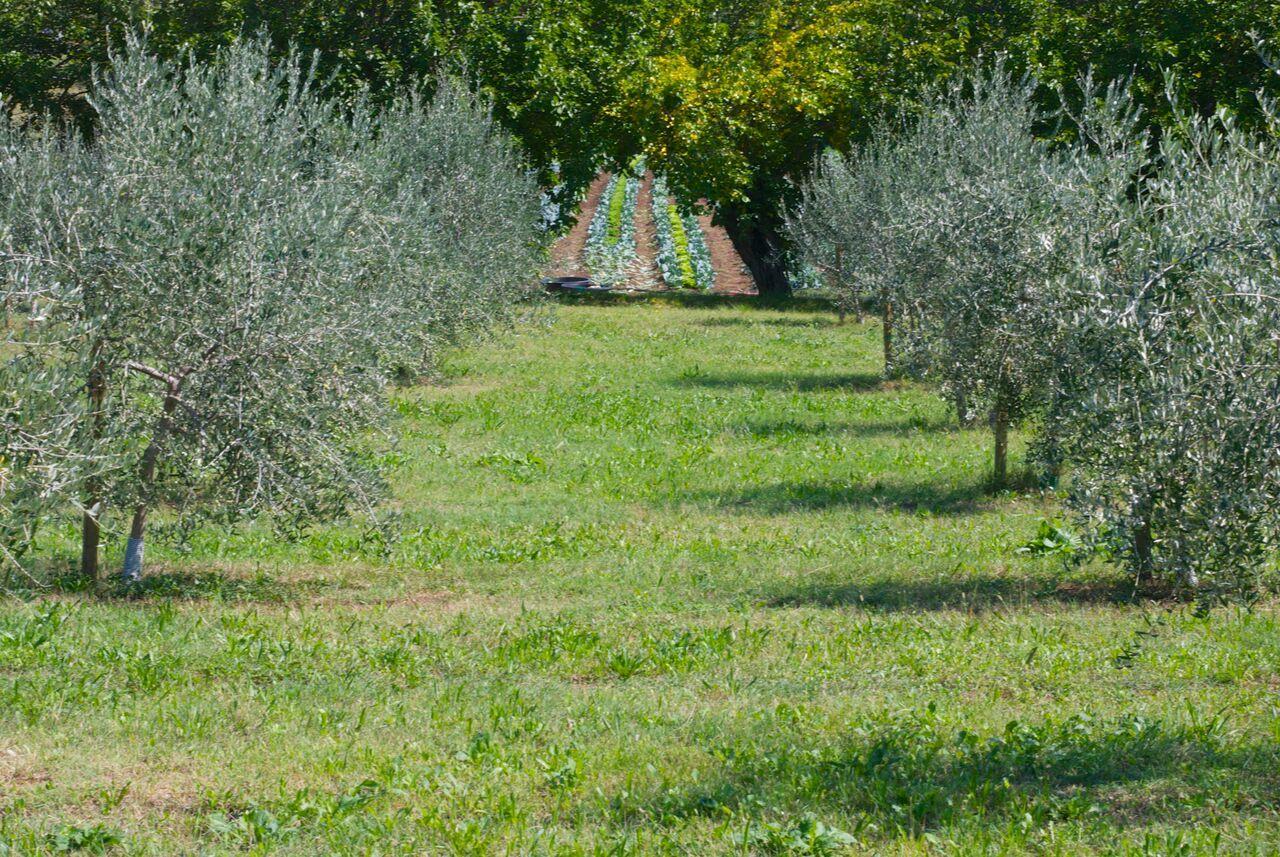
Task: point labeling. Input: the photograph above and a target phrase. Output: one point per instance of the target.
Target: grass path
(670, 580)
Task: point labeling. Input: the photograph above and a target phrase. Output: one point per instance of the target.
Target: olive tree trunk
(1000, 453)
(887, 324)
(1143, 542)
(91, 530)
(133, 556)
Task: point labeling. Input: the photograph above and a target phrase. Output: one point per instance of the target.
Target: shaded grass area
(664, 577)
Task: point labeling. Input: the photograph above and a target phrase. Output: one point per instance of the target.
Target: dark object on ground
(573, 284)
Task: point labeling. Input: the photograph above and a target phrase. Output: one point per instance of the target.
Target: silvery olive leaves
(1118, 295)
(1174, 436)
(202, 308)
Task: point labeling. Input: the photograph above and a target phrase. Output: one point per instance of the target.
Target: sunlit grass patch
(661, 579)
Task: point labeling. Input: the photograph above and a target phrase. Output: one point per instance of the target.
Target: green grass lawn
(668, 580)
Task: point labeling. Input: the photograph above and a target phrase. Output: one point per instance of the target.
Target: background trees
(1207, 43)
(738, 106)
(48, 50)
(731, 99)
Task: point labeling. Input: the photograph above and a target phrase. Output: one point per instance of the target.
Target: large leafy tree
(49, 48)
(557, 73)
(731, 98)
(1207, 43)
(737, 106)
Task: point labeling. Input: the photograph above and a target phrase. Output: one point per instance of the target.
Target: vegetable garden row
(611, 237)
(611, 253)
(683, 256)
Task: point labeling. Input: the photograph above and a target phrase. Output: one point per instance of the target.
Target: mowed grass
(665, 580)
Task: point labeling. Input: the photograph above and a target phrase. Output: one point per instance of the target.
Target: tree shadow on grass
(210, 585)
(59, 579)
(812, 320)
(783, 497)
(799, 303)
(857, 382)
(968, 593)
(784, 429)
(908, 774)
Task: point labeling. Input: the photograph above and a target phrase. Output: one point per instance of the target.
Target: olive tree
(997, 231)
(230, 273)
(958, 219)
(47, 423)
(1123, 292)
(456, 210)
(1174, 441)
(848, 225)
(1098, 184)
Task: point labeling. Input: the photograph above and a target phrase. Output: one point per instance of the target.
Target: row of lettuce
(611, 234)
(683, 256)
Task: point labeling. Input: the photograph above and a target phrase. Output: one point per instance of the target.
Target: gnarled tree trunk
(887, 310)
(133, 557)
(91, 530)
(1144, 542)
(761, 247)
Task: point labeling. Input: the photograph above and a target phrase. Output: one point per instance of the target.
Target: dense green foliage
(1208, 44)
(731, 99)
(48, 50)
(648, 598)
